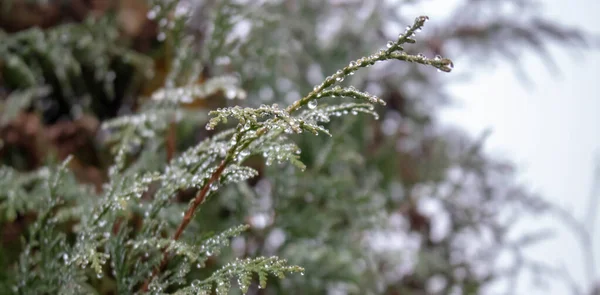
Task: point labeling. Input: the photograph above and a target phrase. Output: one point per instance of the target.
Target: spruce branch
(250, 129)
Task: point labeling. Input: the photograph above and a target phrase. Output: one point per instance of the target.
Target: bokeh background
(549, 126)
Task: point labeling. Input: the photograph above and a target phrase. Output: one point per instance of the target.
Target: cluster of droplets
(121, 189)
(244, 280)
(140, 185)
(351, 91)
(196, 253)
(321, 90)
(349, 108)
(442, 64)
(246, 116)
(200, 157)
(234, 173)
(86, 254)
(187, 179)
(145, 124)
(280, 153)
(147, 245)
(242, 155)
(243, 269)
(155, 287)
(212, 246)
(409, 32)
(228, 85)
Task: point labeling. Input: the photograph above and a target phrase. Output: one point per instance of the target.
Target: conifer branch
(129, 234)
(187, 218)
(247, 121)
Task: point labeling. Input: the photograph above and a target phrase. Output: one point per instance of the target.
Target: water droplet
(450, 65)
(438, 58)
(420, 55)
(390, 44)
(421, 19)
(312, 104)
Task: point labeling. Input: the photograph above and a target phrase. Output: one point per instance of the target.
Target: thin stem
(187, 218)
(189, 214)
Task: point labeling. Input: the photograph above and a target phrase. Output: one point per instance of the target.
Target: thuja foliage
(83, 66)
(183, 209)
(133, 232)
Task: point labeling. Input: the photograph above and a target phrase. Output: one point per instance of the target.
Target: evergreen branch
(19, 100)
(442, 64)
(187, 218)
(281, 120)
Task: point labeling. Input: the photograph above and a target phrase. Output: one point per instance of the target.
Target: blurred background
(549, 127)
(479, 181)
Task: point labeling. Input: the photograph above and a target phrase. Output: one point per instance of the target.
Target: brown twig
(187, 218)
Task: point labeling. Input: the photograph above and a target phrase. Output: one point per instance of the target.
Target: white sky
(552, 132)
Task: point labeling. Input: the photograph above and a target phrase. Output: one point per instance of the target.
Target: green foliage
(83, 65)
(104, 225)
(18, 101)
(151, 225)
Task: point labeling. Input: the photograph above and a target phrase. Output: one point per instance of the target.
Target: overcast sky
(551, 131)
